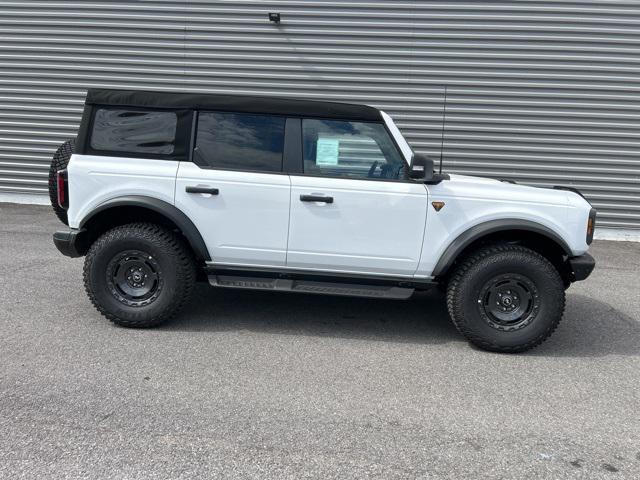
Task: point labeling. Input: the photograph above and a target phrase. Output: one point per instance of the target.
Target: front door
(234, 191)
(352, 210)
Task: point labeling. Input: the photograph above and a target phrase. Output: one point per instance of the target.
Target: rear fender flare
(176, 216)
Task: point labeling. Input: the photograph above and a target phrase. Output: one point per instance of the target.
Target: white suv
(277, 194)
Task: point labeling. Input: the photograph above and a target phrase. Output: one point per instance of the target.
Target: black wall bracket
(274, 17)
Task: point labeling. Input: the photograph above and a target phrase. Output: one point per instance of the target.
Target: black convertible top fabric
(233, 103)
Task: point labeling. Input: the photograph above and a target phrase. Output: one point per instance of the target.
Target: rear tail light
(591, 225)
(62, 189)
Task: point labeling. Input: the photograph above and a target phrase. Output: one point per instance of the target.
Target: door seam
(424, 230)
(286, 250)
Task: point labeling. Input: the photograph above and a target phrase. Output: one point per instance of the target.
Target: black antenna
(444, 116)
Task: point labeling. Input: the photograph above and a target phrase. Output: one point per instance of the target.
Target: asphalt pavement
(279, 385)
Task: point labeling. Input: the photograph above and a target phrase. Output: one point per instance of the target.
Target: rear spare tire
(59, 161)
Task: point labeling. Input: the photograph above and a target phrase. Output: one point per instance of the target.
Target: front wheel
(139, 275)
(506, 298)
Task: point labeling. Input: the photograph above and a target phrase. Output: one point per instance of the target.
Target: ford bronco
(163, 189)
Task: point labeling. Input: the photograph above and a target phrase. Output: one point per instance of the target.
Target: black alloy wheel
(134, 278)
(509, 301)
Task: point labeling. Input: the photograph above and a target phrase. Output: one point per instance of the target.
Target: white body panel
(471, 201)
(247, 222)
(95, 179)
(371, 226)
(405, 148)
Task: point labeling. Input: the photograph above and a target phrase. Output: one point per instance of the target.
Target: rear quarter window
(134, 131)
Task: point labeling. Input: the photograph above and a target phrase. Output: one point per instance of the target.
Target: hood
(491, 189)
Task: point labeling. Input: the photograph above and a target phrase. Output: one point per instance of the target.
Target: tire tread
(454, 301)
(186, 272)
(59, 161)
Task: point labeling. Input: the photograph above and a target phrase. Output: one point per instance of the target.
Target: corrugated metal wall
(541, 92)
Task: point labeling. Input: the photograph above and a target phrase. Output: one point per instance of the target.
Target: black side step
(311, 286)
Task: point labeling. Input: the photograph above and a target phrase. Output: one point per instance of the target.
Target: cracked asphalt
(275, 385)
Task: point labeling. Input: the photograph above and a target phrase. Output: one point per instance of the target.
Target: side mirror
(421, 168)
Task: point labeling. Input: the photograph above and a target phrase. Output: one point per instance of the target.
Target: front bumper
(581, 267)
(72, 243)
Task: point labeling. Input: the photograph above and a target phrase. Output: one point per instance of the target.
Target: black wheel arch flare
(457, 246)
(171, 212)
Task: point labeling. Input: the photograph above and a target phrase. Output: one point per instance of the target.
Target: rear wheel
(506, 298)
(139, 275)
(59, 161)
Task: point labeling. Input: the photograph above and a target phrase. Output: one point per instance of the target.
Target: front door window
(334, 148)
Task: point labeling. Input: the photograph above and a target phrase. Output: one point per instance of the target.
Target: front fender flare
(184, 223)
(478, 231)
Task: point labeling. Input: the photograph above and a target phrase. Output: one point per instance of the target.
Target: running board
(309, 286)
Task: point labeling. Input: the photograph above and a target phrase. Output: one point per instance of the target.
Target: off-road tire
(468, 308)
(59, 161)
(171, 257)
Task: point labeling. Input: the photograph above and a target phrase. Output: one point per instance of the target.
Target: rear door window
(134, 131)
(240, 141)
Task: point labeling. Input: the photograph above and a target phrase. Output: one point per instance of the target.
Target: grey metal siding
(545, 93)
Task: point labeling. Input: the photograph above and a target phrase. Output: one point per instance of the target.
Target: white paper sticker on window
(327, 151)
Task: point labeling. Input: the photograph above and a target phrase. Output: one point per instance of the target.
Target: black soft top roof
(233, 103)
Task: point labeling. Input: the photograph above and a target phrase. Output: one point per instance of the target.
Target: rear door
(353, 209)
(234, 189)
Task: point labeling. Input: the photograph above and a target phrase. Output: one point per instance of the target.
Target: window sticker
(327, 151)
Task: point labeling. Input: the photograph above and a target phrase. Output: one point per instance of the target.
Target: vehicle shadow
(589, 328)
(422, 319)
(592, 328)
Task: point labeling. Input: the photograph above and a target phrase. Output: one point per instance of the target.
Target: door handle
(209, 190)
(316, 198)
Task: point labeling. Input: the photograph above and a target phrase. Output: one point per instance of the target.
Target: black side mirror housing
(422, 168)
